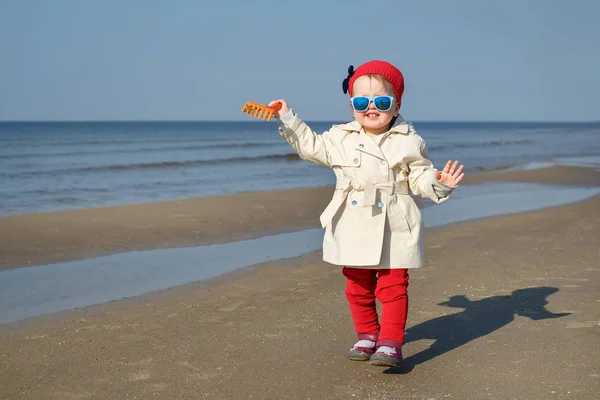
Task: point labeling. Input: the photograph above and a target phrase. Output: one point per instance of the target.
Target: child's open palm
(451, 175)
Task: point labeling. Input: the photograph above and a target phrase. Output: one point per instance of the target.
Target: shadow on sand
(479, 318)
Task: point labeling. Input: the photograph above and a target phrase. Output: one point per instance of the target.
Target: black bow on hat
(346, 81)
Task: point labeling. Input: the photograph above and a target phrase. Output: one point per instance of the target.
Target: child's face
(372, 120)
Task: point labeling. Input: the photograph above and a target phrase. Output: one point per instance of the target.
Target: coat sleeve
(421, 176)
(309, 145)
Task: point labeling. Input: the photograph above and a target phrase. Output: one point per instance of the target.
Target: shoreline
(224, 276)
(507, 294)
(61, 236)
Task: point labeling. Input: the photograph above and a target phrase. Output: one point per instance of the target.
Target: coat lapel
(365, 143)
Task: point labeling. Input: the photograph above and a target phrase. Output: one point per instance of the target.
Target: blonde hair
(380, 78)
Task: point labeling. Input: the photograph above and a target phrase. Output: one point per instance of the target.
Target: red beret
(383, 68)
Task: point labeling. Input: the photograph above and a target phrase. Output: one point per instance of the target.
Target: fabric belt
(370, 193)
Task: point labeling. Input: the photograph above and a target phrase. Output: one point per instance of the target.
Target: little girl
(373, 228)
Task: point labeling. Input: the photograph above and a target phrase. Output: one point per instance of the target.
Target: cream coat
(371, 221)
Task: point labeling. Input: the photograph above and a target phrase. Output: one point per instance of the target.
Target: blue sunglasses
(382, 103)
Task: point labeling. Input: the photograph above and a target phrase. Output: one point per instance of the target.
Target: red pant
(388, 286)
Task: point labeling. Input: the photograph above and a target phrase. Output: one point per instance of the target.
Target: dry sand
(506, 308)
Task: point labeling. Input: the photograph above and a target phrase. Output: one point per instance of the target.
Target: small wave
(43, 192)
(488, 168)
(482, 144)
(213, 146)
(510, 142)
(66, 200)
(175, 164)
(158, 165)
(41, 143)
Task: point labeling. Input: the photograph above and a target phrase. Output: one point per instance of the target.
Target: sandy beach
(507, 307)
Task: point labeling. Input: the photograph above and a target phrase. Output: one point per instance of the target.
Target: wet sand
(35, 239)
(506, 308)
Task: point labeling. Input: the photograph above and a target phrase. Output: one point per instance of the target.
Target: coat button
(354, 202)
(356, 161)
(380, 204)
(382, 162)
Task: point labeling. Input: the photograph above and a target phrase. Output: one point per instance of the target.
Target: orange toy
(260, 111)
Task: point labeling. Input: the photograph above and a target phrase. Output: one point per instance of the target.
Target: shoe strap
(368, 336)
(390, 343)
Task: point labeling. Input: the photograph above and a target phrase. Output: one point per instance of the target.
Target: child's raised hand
(451, 175)
(284, 107)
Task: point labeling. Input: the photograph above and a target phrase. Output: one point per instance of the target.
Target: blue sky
(476, 60)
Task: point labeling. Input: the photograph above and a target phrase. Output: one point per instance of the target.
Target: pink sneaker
(364, 348)
(387, 356)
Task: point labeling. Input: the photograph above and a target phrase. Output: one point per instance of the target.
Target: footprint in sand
(188, 365)
(307, 283)
(36, 337)
(198, 373)
(232, 306)
(144, 361)
(587, 324)
(158, 387)
(204, 375)
(294, 326)
(138, 376)
(302, 285)
(71, 396)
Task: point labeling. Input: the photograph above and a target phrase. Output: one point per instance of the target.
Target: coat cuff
(288, 126)
(286, 118)
(441, 189)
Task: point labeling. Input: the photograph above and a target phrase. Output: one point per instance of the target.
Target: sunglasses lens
(360, 103)
(383, 103)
